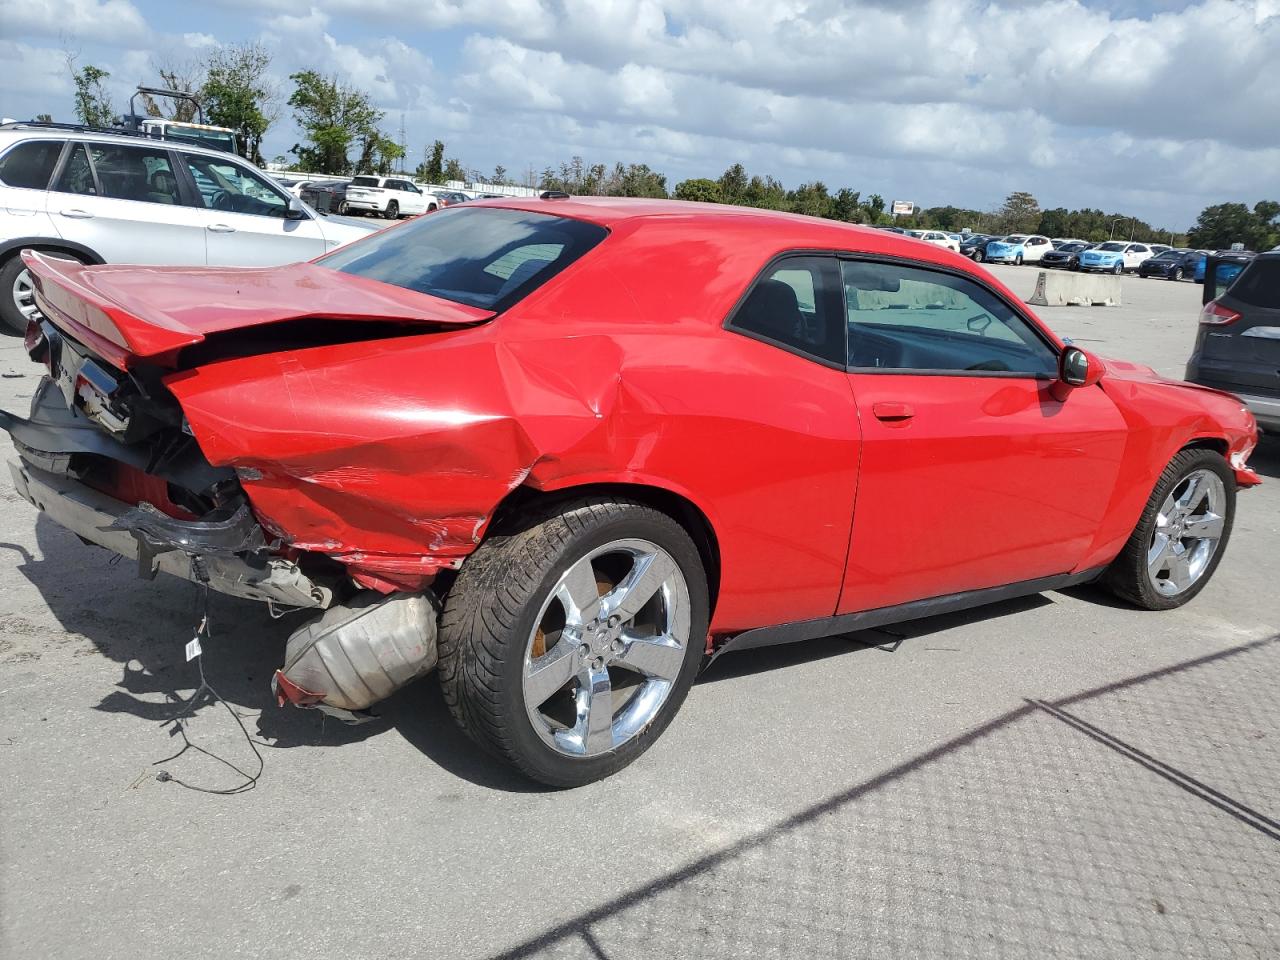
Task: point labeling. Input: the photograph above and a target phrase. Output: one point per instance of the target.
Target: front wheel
(1180, 536)
(978, 255)
(1118, 268)
(393, 210)
(1177, 274)
(1017, 261)
(567, 646)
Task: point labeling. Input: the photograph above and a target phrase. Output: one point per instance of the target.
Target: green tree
(333, 116)
(811, 199)
(845, 206)
(236, 93)
(701, 189)
(454, 170)
(733, 184)
(875, 207)
(1223, 224)
(389, 154)
(431, 169)
(1020, 213)
(44, 118)
(500, 175)
(93, 102)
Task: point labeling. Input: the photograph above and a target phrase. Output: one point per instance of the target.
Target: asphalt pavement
(1058, 776)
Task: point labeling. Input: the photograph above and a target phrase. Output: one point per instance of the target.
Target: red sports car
(571, 448)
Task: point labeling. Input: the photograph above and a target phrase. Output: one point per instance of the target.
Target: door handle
(220, 228)
(75, 213)
(892, 411)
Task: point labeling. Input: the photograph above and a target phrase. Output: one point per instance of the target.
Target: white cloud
(96, 20)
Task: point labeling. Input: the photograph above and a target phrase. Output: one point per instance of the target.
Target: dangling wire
(203, 631)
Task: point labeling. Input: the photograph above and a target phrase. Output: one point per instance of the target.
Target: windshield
(1112, 247)
(1071, 247)
(1171, 255)
(483, 257)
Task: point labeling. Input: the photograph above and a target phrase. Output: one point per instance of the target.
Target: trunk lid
(128, 313)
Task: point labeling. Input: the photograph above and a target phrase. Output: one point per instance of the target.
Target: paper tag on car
(193, 649)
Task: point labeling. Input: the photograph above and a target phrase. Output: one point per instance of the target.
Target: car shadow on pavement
(144, 627)
(881, 639)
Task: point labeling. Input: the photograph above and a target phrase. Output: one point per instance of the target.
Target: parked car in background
(974, 246)
(390, 197)
(1158, 248)
(121, 198)
(482, 468)
(448, 198)
(334, 190)
(1221, 267)
(1018, 248)
(1065, 256)
(1171, 264)
(1115, 256)
(937, 238)
(1057, 242)
(1238, 342)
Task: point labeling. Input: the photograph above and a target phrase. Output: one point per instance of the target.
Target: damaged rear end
(109, 452)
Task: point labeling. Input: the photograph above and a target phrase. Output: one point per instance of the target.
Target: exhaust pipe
(355, 654)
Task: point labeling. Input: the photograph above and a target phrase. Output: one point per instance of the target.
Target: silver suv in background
(118, 198)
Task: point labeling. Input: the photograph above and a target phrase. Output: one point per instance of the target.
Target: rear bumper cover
(190, 550)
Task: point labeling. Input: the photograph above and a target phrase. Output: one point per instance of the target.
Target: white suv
(107, 198)
(391, 197)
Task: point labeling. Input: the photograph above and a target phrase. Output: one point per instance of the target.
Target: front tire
(1177, 274)
(979, 255)
(1181, 535)
(1118, 268)
(568, 644)
(1017, 261)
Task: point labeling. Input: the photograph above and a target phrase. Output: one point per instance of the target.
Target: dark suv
(1238, 343)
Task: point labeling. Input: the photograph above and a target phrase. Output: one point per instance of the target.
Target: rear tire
(535, 635)
(343, 208)
(392, 211)
(1165, 536)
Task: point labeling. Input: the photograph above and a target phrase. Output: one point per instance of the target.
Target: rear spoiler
(131, 313)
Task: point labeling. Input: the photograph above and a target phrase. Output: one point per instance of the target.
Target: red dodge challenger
(563, 450)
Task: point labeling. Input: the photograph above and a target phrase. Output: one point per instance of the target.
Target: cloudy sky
(1156, 107)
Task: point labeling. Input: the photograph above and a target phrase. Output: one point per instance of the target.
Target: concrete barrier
(1056, 288)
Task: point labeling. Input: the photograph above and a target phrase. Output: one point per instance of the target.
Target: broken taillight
(1215, 314)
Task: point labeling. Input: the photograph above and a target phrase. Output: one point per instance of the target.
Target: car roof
(771, 228)
(16, 132)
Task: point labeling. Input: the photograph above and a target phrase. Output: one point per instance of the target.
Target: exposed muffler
(355, 654)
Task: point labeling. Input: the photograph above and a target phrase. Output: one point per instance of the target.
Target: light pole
(1112, 234)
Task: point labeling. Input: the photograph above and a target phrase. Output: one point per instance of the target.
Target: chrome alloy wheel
(1188, 529)
(607, 647)
(24, 295)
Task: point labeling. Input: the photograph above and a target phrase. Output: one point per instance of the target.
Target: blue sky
(1146, 106)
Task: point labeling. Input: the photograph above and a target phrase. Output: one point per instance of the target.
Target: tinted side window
(796, 303)
(486, 258)
(134, 173)
(1259, 285)
(77, 175)
(30, 164)
(905, 318)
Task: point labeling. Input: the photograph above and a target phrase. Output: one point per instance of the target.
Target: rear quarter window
(30, 164)
(485, 257)
(1259, 284)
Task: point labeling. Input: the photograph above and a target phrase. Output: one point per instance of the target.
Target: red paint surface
(393, 456)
